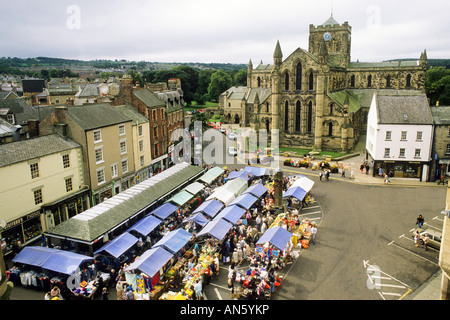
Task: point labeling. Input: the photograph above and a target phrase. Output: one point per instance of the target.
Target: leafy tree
(199, 116)
(220, 82)
(438, 85)
(240, 78)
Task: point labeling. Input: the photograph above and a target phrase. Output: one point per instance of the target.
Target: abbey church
(319, 98)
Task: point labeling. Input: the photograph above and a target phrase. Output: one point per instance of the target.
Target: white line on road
(407, 250)
(391, 294)
(306, 214)
(218, 293)
(436, 218)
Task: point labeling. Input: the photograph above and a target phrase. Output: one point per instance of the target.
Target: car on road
(232, 151)
(231, 136)
(222, 129)
(435, 237)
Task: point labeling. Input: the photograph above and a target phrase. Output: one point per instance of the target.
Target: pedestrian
(320, 175)
(198, 290)
(386, 179)
(361, 168)
(327, 174)
(352, 174)
(367, 169)
(343, 172)
(416, 239)
(426, 240)
(271, 281)
(105, 294)
(120, 288)
(313, 233)
(420, 221)
(129, 295)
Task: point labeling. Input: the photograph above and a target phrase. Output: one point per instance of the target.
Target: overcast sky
(231, 31)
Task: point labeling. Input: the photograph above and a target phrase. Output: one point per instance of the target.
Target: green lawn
(303, 151)
(194, 105)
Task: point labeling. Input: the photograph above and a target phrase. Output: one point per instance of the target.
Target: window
(298, 78)
(352, 81)
(123, 147)
(310, 116)
(66, 161)
(10, 118)
(330, 129)
(141, 159)
(417, 153)
(68, 184)
(97, 135)
(100, 176)
(419, 136)
(388, 81)
(140, 131)
(447, 150)
(311, 81)
(38, 196)
(99, 154)
(121, 129)
(259, 82)
(387, 152)
(402, 153)
(141, 145)
(114, 171)
(286, 82)
(403, 135)
(34, 168)
(124, 166)
(298, 110)
(369, 81)
(408, 81)
(286, 116)
(388, 135)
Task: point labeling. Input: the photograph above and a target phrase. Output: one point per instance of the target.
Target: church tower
(337, 38)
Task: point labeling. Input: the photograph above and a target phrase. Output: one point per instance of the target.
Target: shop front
(402, 169)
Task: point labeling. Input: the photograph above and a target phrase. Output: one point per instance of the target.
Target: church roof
(330, 22)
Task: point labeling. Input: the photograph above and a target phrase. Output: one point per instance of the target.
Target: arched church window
(408, 81)
(311, 81)
(388, 81)
(298, 78)
(352, 81)
(259, 82)
(286, 116)
(286, 82)
(369, 81)
(330, 129)
(298, 110)
(310, 116)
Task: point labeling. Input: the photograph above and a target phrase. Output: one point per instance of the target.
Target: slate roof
(89, 225)
(24, 112)
(89, 90)
(403, 110)
(339, 98)
(384, 64)
(149, 98)
(93, 116)
(24, 150)
(131, 113)
(441, 115)
(330, 22)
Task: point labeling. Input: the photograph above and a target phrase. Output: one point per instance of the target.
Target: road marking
(436, 218)
(306, 208)
(418, 255)
(218, 294)
(437, 228)
(306, 214)
(391, 294)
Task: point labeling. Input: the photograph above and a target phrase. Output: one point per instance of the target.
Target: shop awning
(295, 192)
(61, 261)
(257, 190)
(119, 245)
(216, 229)
(231, 214)
(164, 211)
(145, 225)
(174, 241)
(211, 175)
(237, 186)
(258, 171)
(198, 218)
(223, 195)
(277, 236)
(195, 187)
(304, 183)
(210, 207)
(151, 261)
(244, 200)
(181, 198)
(239, 174)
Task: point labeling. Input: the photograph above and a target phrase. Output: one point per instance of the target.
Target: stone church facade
(318, 98)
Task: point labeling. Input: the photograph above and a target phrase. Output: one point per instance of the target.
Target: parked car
(231, 136)
(223, 130)
(435, 237)
(232, 151)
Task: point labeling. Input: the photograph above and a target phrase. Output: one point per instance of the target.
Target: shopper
(420, 221)
(320, 175)
(120, 288)
(313, 233)
(416, 239)
(105, 294)
(426, 239)
(129, 295)
(198, 290)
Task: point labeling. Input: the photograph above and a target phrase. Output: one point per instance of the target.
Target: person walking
(416, 239)
(327, 175)
(313, 233)
(198, 290)
(343, 172)
(420, 221)
(320, 176)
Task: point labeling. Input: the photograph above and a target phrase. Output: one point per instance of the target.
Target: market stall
(258, 190)
(175, 242)
(218, 229)
(194, 222)
(118, 250)
(181, 198)
(258, 171)
(145, 273)
(164, 211)
(223, 195)
(232, 214)
(244, 201)
(239, 174)
(211, 175)
(210, 208)
(145, 226)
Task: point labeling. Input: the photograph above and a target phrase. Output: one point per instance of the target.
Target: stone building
(318, 97)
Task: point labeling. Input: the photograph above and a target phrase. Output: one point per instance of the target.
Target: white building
(399, 135)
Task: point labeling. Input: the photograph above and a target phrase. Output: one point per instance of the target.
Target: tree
(220, 82)
(438, 85)
(240, 78)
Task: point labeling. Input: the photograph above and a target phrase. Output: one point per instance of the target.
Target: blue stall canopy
(277, 236)
(239, 174)
(197, 218)
(257, 190)
(164, 211)
(151, 261)
(146, 225)
(174, 241)
(258, 171)
(64, 262)
(244, 200)
(231, 214)
(119, 245)
(210, 207)
(295, 192)
(218, 228)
